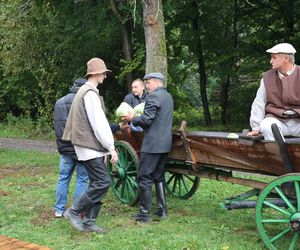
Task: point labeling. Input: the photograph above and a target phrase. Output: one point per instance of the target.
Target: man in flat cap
(157, 142)
(89, 131)
(278, 97)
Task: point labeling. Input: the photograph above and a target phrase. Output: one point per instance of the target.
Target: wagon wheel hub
(295, 222)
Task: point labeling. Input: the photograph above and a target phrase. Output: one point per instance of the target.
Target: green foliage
(193, 116)
(25, 127)
(52, 41)
(134, 65)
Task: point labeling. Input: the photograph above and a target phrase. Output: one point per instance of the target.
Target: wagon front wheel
(180, 185)
(123, 174)
(278, 219)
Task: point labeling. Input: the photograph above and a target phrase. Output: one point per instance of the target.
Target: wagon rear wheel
(181, 185)
(123, 174)
(278, 220)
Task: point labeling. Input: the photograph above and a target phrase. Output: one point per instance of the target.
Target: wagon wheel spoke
(130, 189)
(269, 204)
(280, 235)
(174, 184)
(131, 173)
(294, 241)
(297, 189)
(184, 184)
(123, 190)
(170, 179)
(179, 185)
(126, 190)
(132, 181)
(117, 184)
(282, 195)
(129, 165)
(191, 178)
(121, 156)
(275, 221)
(125, 159)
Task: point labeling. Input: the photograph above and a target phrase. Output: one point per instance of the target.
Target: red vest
(282, 94)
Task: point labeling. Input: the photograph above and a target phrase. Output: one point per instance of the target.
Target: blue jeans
(66, 169)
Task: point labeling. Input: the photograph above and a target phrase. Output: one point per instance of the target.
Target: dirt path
(30, 145)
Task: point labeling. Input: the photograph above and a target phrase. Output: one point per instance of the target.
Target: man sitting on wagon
(278, 97)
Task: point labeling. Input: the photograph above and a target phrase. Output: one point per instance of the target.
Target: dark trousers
(151, 169)
(99, 180)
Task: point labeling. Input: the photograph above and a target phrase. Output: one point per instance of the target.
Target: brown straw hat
(96, 66)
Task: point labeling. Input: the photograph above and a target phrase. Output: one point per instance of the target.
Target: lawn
(27, 192)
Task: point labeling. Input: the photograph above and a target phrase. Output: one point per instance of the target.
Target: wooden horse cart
(218, 156)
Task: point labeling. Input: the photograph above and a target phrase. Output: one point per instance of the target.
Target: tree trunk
(202, 71)
(203, 83)
(224, 99)
(154, 28)
(126, 31)
(128, 49)
(226, 83)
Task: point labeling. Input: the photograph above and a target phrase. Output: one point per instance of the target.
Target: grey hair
(291, 57)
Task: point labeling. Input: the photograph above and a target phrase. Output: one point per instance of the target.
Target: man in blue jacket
(68, 159)
(157, 143)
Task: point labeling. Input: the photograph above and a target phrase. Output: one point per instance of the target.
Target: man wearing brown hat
(278, 97)
(89, 131)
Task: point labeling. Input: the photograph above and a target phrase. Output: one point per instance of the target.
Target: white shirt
(259, 104)
(100, 126)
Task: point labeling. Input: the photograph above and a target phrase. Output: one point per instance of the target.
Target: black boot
(145, 206)
(89, 220)
(73, 212)
(161, 200)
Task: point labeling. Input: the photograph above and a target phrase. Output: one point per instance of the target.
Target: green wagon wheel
(123, 174)
(279, 226)
(180, 185)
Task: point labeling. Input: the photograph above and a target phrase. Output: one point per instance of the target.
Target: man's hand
(114, 156)
(128, 117)
(253, 133)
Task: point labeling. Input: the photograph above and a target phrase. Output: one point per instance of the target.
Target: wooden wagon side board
(261, 157)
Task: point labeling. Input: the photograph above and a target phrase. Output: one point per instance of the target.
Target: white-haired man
(278, 97)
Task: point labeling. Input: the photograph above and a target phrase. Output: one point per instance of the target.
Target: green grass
(27, 190)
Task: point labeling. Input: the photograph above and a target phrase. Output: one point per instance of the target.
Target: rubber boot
(161, 200)
(73, 212)
(89, 220)
(145, 206)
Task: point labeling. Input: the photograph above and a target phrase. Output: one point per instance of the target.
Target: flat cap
(285, 48)
(155, 75)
